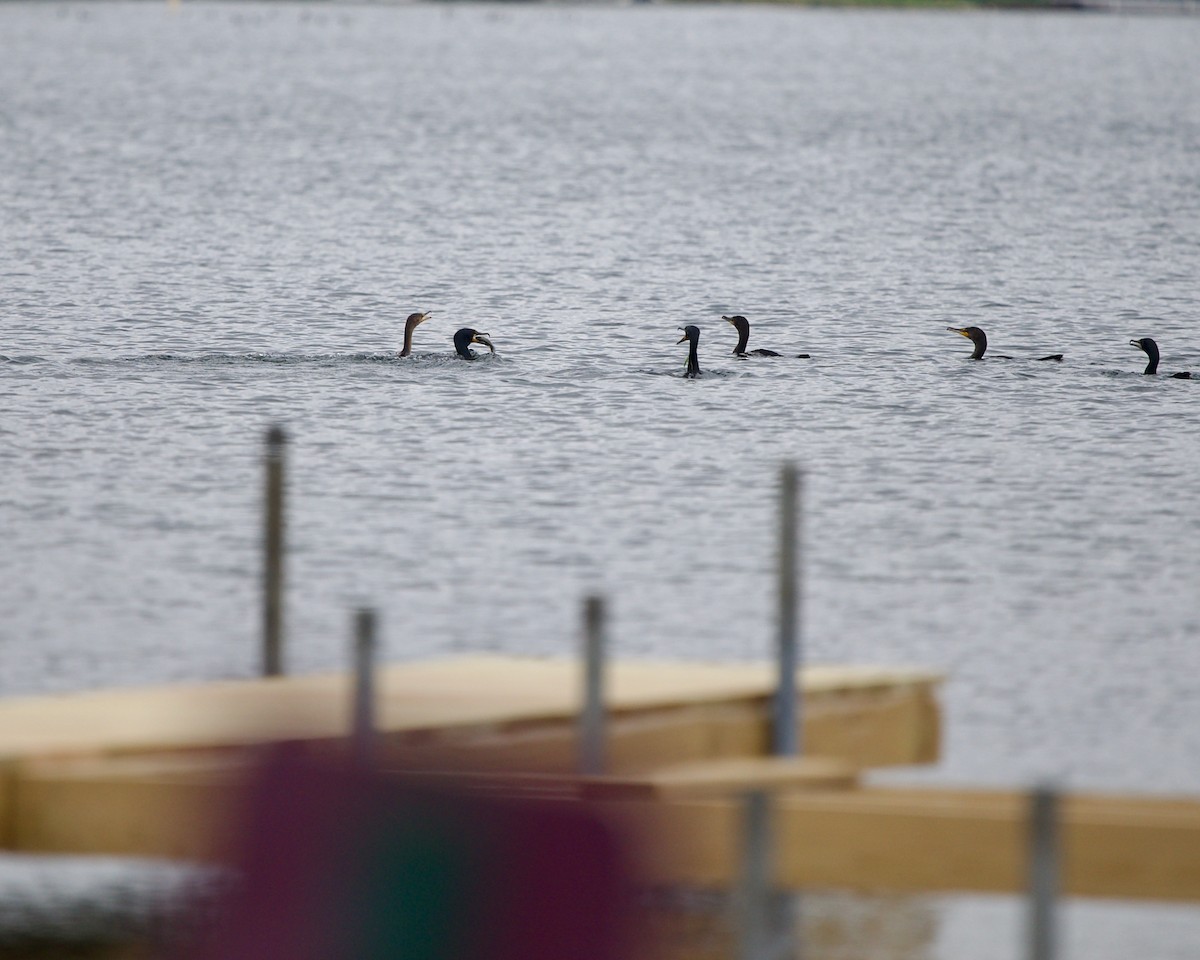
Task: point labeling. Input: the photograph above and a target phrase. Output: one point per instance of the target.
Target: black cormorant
(979, 338)
(742, 325)
(1151, 349)
(691, 333)
(465, 337)
(409, 326)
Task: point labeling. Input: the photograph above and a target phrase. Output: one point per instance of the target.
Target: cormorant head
(1151, 349)
(467, 336)
(976, 336)
(691, 333)
(742, 326)
(414, 319)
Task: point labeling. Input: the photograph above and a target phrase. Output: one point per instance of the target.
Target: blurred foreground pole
(1043, 871)
(273, 555)
(787, 736)
(754, 881)
(363, 730)
(591, 717)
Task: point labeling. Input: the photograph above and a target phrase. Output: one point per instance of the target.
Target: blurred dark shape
(341, 861)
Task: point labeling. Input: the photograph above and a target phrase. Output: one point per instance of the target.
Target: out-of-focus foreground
(178, 772)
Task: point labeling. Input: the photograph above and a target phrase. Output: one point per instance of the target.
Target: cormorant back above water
(691, 333)
(409, 326)
(465, 337)
(979, 338)
(742, 325)
(1151, 349)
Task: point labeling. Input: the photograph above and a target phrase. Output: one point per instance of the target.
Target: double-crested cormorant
(691, 333)
(742, 325)
(465, 337)
(979, 338)
(1151, 349)
(409, 326)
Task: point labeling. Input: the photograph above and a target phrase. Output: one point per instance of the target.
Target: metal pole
(754, 883)
(787, 736)
(591, 717)
(363, 731)
(1043, 871)
(272, 664)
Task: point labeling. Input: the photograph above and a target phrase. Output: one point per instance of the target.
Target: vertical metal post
(272, 663)
(363, 730)
(1043, 871)
(754, 882)
(787, 735)
(591, 717)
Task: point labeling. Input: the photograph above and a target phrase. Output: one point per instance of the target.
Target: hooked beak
(683, 338)
(730, 319)
(482, 339)
(1136, 343)
(425, 316)
(960, 331)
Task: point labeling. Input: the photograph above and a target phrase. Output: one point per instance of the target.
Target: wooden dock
(90, 772)
(877, 716)
(152, 772)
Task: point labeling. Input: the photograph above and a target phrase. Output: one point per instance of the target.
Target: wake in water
(677, 374)
(281, 359)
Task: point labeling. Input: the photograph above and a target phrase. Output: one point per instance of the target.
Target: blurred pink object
(341, 862)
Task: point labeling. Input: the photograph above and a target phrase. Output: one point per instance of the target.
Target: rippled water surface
(216, 218)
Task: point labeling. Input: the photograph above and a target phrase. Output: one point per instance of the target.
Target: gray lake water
(218, 217)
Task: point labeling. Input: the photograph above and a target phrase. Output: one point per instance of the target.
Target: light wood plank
(877, 840)
(439, 696)
(864, 839)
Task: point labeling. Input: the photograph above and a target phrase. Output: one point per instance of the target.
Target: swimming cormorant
(691, 333)
(979, 338)
(742, 325)
(1151, 349)
(465, 337)
(409, 326)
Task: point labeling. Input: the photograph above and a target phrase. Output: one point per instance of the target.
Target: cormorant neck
(463, 346)
(408, 332)
(693, 364)
(1152, 361)
(743, 339)
(980, 348)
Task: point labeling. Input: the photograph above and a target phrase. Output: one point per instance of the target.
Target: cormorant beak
(683, 338)
(960, 331)
(1136, 343)
(730, 319)
(482, 339)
